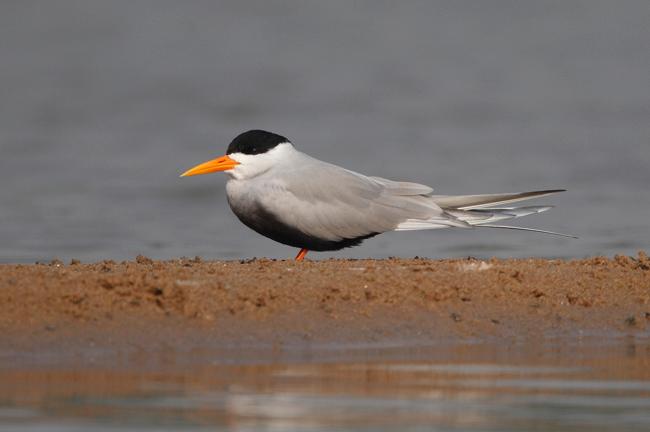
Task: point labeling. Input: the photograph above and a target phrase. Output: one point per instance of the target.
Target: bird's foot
(301, 254)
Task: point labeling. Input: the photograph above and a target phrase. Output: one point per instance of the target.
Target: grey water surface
(104, 103)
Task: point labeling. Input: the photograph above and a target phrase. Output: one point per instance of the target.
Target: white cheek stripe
(253, 165)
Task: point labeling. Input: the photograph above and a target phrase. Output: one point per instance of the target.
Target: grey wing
(333, 203)
(403, 188)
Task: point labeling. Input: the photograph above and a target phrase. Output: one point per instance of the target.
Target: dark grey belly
(267, 224)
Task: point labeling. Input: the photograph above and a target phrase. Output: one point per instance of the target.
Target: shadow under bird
(300, 201)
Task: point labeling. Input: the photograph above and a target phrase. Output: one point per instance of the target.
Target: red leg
(301, 254)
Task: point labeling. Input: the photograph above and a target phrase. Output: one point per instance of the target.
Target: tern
(306, 203)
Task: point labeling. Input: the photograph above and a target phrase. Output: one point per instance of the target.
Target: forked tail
(485, 210)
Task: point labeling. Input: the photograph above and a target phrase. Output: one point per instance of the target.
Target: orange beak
(222, 163)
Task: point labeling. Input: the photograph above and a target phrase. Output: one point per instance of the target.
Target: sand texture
(189, 303)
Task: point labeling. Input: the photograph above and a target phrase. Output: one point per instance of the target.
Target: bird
(300, 201)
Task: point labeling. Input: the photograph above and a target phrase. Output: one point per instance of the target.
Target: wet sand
(188, 304)
(338, 344)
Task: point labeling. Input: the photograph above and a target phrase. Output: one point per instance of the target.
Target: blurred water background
(104, 104)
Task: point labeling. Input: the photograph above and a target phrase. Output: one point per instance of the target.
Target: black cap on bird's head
(255, 142)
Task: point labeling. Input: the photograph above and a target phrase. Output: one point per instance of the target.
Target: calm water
(559, 386)
(105, 103)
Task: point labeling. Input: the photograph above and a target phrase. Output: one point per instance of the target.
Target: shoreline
(189, 304)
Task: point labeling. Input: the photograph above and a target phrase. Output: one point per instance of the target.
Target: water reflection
(533, 390)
